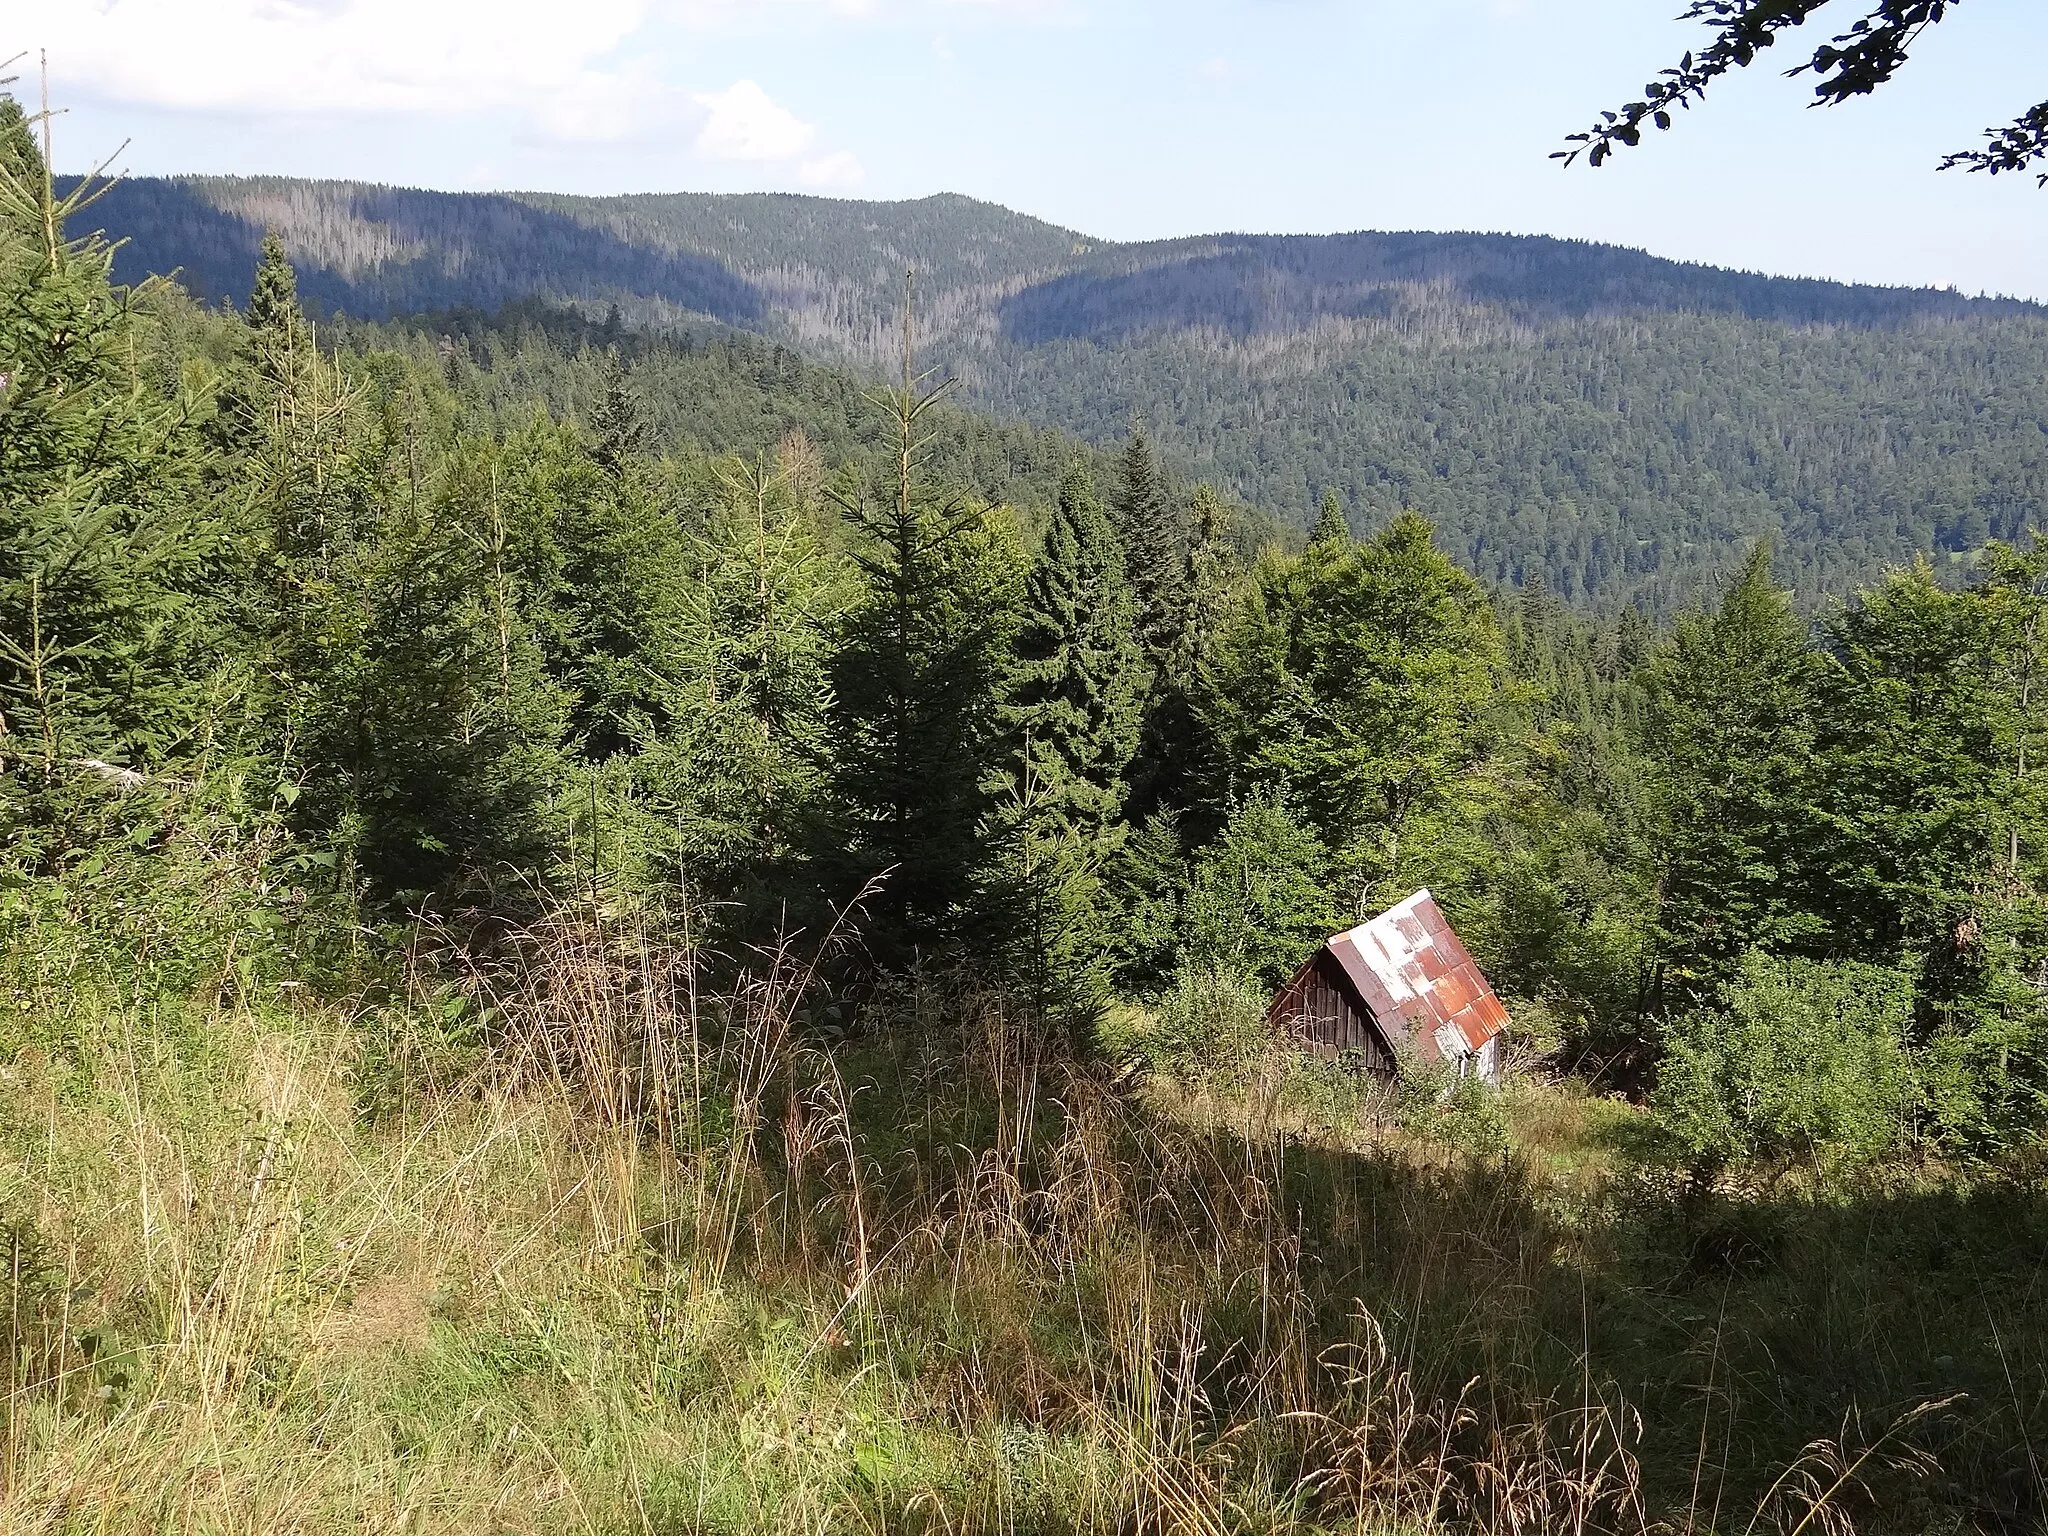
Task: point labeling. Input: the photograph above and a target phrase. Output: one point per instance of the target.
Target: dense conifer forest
(610, 927)
(1619, 426)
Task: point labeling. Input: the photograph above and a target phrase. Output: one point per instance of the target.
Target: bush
(1212, 1019)
(1437, 1103)
(1798, 1059)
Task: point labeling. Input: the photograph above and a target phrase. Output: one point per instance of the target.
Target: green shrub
(1435, 1102)
(1212, 1019)
(1799, 1058)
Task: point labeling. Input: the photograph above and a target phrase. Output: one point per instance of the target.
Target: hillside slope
(1619, 425)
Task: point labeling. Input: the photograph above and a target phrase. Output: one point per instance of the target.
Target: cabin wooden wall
(1322, 1009)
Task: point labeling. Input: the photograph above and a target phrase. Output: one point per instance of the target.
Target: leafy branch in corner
(1853, 63)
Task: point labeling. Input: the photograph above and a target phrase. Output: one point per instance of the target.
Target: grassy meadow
(555, 1241)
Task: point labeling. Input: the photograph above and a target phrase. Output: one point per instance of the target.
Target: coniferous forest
(1617, 426)
(611, 927)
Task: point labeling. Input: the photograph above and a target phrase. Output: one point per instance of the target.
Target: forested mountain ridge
(1248, 284)
(368, 250)
(371, 251)
(712, 390)
(1620, 425)
(831, 267)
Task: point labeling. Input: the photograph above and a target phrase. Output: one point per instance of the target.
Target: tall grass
(560, 1240)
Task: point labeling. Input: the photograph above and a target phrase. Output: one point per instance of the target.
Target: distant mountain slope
(1617, 424)
(373, 251)
(836, 266)
(1249, 284)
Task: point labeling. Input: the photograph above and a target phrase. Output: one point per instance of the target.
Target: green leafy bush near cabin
(1798, 1059)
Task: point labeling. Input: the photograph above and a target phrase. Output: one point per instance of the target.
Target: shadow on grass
(1739, 1330)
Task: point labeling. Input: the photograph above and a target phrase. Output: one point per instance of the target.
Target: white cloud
(726, 10)
(839, 169)
(746, 123)
(441, 57)
(743, 122)
(916, 12)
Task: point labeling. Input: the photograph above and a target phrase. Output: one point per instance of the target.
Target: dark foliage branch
(2016, 148)
(1854, 63)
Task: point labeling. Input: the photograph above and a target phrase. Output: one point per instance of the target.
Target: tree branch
(1853, 63)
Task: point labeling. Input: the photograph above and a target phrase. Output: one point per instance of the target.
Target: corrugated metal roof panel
(1416, 975)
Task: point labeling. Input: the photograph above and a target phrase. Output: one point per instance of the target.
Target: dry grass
(657, 1261)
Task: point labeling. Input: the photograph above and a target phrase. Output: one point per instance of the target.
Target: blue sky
(1122, 118)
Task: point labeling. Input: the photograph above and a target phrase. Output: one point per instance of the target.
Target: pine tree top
(618, 433)
(1207, 508)
(1332, 527)
(274, 301)
(1138, 491)
(23, 185)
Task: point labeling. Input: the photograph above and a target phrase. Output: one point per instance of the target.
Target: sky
(1123, 119)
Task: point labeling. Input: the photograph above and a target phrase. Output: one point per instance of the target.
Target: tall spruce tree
(288, 424)
(1732, 738)
(1205, 587)
(1332, 528)
(111, 562)
(407, 584)
(1153, 543)
(1176, 753)
(915, 730)
(1072, 698)
(618, 435)
(274, 300)
(739, 765)
(1071, 706)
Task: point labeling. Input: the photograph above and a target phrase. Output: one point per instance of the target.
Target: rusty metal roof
(1414, 971)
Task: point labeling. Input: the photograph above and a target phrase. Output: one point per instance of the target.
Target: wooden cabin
(1402, 983)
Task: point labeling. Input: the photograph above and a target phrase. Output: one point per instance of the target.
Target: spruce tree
(1205, 587)
(290, 428)
(1153, 543)
(431, 732)
(1176, 753)
(284, 414)
(111, 561)
(1072, 697)
(618, 436)
(274, 301)
(738, 765)
(401, 616)
(1145, 884)
(1732, 741)
(915, 732)
(1332, 529)
(1071, 705)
